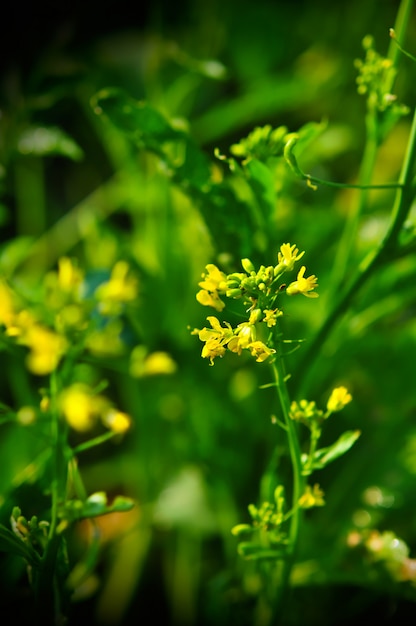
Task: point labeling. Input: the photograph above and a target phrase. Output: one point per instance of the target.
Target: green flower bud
(247, 266)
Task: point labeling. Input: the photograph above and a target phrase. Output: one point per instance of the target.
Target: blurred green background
(71, 183)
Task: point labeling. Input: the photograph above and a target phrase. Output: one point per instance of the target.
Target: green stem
(377, 257)
(279, 592)
(400, 27)
(346, 245)
(46, 588)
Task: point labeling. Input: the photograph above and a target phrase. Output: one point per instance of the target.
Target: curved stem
(371, 262)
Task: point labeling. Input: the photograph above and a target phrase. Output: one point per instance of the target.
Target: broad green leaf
(324, 456)
(147, 127)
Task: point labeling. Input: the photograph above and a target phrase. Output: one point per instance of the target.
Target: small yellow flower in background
(153, 364)
(159, 362)
(26, 415)
(106, 341)
(338, 399)
(303, 285)
(213, 283)
(69, 276)
(288, 256)
(119, 290)
(7, 305)
(46, 348)
(116, 421)
(313, 496)
(81, 407)
(260, 351)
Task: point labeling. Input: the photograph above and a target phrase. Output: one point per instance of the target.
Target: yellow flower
(216, 331)
(117, 421)
(153, 364)
(120, 289)
(303, 285)
(288, 256)
(213, 283)
(212, 349)
(260, 351)
(69, 276)
(245, 334)
(270, 316)
(338, 399)
(214, 280)
(7, 309)
(216, 338)
(312, 497)
(46, 348)
(210, 299)
(81, 407)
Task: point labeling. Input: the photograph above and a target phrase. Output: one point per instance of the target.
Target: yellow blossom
(153, 364)
(216, 331)
(245, 334)
(288, 256)
(213, 283)
(212, 349)
(338, 399)
(46, 348)
(210, 299)
(120, 289)
(7, 308)
(260, 351)
(81, 407)
(303, 285)
(117, 421)
(69, 276)
(312, 497)
(270, 316)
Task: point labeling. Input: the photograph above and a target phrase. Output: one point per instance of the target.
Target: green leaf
(93, 506)
(148, 128)
(9, 542)
(262, 182)
(47, 140)
(255, 551)
(324, 456)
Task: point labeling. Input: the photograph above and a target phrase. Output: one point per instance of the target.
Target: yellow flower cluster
(218, 338)
(82, 409)
(66, 317)
(45, 345)
(259, 291)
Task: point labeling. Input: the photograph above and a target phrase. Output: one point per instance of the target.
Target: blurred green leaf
(324, 456)
(48, 140)
(10, 543)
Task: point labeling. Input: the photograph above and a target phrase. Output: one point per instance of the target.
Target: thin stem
(400, 27)
(297, 490)
(46, 587)
(375, 258)
(345, 248)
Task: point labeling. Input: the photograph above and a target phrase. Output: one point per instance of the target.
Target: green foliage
(209, 137)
